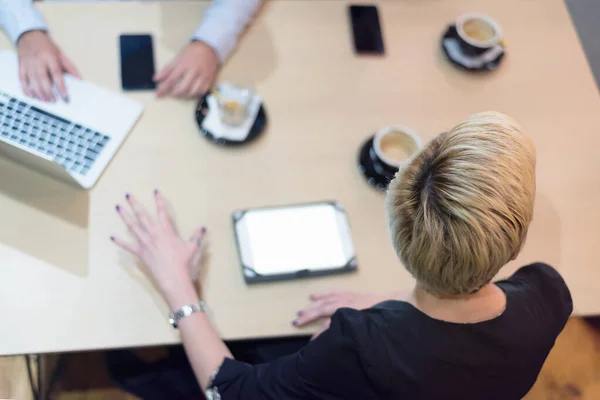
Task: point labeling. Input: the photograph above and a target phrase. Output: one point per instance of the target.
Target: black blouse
(394, 351)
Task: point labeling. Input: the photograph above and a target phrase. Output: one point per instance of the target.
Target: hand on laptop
(42, 65)
(190, 74)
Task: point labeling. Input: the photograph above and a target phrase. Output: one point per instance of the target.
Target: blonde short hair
(460, 209)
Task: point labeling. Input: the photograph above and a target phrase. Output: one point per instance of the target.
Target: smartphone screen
(137, 62)
(366, 29)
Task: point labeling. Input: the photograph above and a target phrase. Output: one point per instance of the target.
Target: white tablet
(294, 241)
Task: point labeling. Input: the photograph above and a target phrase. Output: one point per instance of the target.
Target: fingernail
(203, 229)
(312, 297)
(118, 207)
(300, 313)
(112, 238)
(155, 192)
(296, 322)
(127, 196)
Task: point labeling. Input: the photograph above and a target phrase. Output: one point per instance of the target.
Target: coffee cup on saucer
(383, 154)
(477, 33)
(393, 146)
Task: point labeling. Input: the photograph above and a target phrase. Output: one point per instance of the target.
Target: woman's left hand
(159, 246)
(324, 305)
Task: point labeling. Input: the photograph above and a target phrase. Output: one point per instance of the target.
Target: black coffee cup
(477, 33)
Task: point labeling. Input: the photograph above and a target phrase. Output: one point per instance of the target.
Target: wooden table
(65, 286)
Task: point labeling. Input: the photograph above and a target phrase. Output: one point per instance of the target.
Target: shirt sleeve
(223, 23)
(18, 17)
(329, 366)
(551, 288)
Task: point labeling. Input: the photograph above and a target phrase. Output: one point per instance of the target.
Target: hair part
(460, 209)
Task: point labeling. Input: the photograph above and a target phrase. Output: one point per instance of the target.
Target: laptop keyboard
(73, 146)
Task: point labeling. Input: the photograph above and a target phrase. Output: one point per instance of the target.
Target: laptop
(73, 141)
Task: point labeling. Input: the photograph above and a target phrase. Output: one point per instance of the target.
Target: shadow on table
(545, 227)
(139, 273)
(543, 241)
(456, 76)
(44, 218)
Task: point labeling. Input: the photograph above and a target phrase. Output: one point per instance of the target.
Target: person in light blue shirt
(192, 72)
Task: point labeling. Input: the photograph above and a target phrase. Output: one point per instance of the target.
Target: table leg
(35, 386)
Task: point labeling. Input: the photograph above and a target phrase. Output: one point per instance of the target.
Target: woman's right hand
(159, 246)
(324, 305)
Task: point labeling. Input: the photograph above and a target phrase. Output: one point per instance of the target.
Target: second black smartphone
(366, 30)
(137, 62)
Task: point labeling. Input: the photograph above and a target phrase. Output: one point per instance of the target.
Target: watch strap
(185, 311)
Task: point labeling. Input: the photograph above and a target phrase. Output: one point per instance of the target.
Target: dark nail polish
(112, 238)
(296, 322)
(118, 207)
(127, 196)
(300, 313)
(155, 192)
(203, 230)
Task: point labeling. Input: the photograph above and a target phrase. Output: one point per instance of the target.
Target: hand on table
(324, 305)
(42, 65)
(158, 245)
(190, 74)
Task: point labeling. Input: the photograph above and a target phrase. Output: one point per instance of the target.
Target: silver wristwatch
(184, 311)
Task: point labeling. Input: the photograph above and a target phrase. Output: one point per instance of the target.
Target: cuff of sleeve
(212, 392)
(227, 375)
(23, 19)
(220, 43)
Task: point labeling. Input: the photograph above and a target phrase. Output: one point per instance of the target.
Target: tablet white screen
(291, 239)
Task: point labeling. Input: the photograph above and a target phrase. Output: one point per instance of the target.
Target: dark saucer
(258, 127)
(452, 33)
(377, 173)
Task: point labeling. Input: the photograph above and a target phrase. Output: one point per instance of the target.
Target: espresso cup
(393, 146)
(477, 33)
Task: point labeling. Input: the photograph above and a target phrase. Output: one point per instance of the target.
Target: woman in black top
(457, 213)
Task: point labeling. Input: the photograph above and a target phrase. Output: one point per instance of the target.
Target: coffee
(393, 146)
(479, 30)
(397, 146)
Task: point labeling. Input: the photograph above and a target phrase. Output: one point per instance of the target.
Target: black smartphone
(366, 29)
(137, 62)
